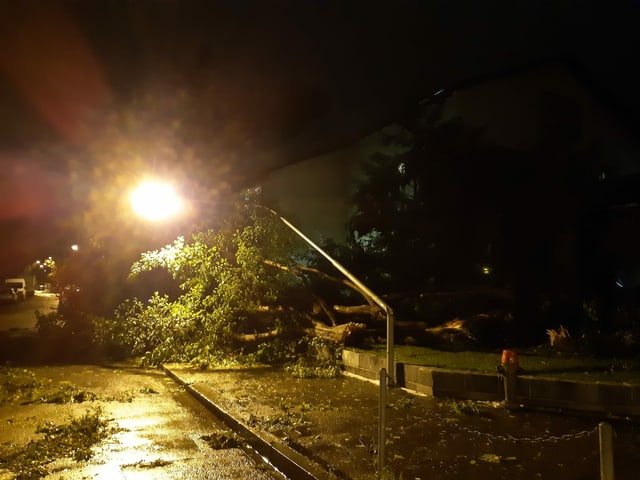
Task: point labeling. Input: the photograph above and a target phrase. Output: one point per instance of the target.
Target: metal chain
(538, 439)
(512, 438)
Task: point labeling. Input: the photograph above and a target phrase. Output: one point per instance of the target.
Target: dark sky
(285, 80)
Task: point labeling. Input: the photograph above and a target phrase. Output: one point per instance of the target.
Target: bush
(320, 359)
(157, 331)
(67, 333)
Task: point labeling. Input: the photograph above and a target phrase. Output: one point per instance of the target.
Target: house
(520, 109)
(315, 194)
(566, 176)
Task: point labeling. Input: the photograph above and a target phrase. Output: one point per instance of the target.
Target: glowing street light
(155, 201)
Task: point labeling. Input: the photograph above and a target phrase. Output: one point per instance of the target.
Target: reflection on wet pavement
(157, 429)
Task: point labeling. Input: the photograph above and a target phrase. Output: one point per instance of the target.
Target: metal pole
(361, 286)
(387, 309)
(606, 451)
(510, 382)
(386, 378)
(382, 423)
(391, 366)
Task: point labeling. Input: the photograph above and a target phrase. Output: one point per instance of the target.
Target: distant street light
(157, 201)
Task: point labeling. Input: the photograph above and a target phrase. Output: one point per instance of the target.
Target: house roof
(623, 113)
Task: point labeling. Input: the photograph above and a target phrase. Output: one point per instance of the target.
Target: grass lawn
(533, 361)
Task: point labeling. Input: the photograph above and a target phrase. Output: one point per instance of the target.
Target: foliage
(413, 225)
(560, 339)
(16, 384)
(320, 359)
(68, 330)
(67, 319)
(464, 407)
(302, 369)
(71, 440)
(446, 209)
(402, 402)
(230, 303)
(223, 440)
(65, 392)
(273, 351)
(156, 331)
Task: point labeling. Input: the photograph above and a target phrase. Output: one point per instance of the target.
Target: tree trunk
(355, 309)
(341, 334)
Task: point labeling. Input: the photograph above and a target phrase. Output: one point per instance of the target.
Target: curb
(605, 399)
(279, 455)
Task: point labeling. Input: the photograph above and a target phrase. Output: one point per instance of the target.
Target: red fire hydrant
(509, 369)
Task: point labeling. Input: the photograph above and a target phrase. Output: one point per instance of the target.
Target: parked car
(8, 294)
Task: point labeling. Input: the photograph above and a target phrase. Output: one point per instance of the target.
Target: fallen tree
(244, 294)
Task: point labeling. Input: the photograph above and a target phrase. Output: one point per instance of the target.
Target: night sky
(285, 80)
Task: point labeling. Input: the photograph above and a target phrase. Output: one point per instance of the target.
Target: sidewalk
(332, 423)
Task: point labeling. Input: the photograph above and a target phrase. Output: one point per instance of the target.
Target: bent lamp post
(363, 288)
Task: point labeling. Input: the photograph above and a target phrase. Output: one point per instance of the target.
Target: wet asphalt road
(160, 430)
(21, 315)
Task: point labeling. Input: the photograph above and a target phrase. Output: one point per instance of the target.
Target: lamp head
(156, 201)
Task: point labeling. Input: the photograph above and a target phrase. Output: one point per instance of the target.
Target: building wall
(315, 194)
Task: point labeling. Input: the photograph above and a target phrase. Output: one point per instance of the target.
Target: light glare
(155, 201)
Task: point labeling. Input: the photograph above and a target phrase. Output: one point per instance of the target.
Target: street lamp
(154, 200)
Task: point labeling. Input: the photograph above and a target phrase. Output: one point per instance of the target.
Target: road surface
(157, 431)
(21, 315)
